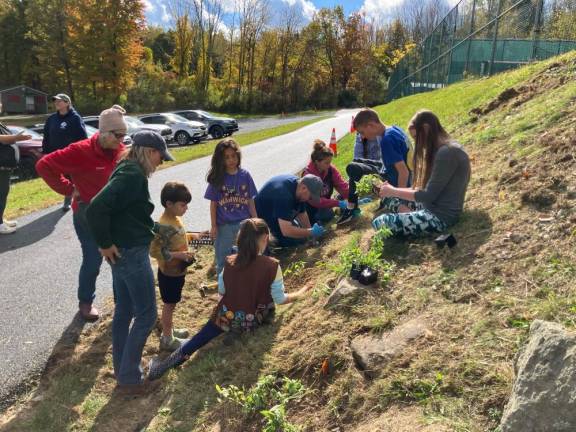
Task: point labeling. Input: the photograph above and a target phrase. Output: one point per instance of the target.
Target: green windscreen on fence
(484, 37)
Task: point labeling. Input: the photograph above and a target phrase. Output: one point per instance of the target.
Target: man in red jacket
(82, 169)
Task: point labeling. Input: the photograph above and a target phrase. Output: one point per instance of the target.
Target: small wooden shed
(23, 100)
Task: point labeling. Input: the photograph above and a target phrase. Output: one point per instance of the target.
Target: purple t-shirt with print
(233, 197)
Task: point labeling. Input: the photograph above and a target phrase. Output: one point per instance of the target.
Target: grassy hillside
(514, 263)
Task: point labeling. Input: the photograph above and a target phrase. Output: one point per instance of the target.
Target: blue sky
(156, 10)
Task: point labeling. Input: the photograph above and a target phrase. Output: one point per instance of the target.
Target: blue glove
(363, 201)
(343, 204)
(318, 230)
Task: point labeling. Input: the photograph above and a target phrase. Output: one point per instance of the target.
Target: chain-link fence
(483, 37)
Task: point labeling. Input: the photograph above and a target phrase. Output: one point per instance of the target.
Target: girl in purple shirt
(231, 192)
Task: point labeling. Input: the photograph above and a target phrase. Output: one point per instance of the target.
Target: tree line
(246, 58)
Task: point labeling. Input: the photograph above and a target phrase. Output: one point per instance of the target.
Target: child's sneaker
(181, 333)
(160, 367)
(170, 344)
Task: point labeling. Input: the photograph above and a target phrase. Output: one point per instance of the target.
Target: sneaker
(170, 344)
(348, 215)
(181, 333)
(11, 224)
(88, 312)
(5, 229)
(65, 208)
(159, 367)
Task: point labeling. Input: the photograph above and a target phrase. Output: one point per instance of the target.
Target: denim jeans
(4, 189)
(223, 243)
(133, 282)
(320, 215)
(205, 335)
(91, 258)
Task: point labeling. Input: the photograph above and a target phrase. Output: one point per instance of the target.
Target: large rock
(373, 352)
(347, 291)
(544, 394)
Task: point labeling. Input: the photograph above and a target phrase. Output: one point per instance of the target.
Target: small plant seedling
(368, 184)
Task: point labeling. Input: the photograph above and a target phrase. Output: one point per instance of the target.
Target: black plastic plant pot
(368, 276)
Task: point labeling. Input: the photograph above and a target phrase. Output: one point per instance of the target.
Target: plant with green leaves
(269, 398)
(366, 184)
(294, 268)
(352, 253)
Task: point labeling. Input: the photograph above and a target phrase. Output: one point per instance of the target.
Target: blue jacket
(62, 130)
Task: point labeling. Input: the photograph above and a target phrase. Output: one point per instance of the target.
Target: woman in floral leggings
(441, 176)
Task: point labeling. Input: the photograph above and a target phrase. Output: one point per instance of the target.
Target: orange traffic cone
(333, 142)
(352, 128)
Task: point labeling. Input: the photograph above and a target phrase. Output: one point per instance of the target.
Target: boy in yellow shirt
(170, 248)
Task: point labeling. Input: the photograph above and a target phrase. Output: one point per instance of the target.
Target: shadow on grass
(64, 383)
(192, 387)
(472, 231)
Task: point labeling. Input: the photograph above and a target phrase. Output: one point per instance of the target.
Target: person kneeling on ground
(440, 185)
(282, 204)
(250, 285)
(321, 166)
(393, 166)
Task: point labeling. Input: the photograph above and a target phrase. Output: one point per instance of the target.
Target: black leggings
(4, 189)
(357, 169)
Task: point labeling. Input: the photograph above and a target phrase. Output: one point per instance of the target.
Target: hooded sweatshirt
(62, 130)
(331, 179)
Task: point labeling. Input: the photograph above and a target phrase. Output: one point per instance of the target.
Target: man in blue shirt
(394, 147)
(281, 203)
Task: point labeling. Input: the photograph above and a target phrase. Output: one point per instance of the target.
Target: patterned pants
(417, 222)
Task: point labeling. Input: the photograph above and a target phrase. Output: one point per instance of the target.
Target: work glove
(318, 230)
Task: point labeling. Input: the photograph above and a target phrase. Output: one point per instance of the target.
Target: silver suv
(185, 131)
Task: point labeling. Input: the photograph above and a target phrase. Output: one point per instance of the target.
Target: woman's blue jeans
(135, 312)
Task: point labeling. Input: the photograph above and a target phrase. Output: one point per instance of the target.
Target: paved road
(255, 124)
(40, 261)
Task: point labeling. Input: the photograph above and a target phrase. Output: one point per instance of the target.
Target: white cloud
(384, 9)
(308, 8)
(165, 16)
(148, 6)
(380, 9)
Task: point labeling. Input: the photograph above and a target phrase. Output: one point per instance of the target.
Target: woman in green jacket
(121, 223)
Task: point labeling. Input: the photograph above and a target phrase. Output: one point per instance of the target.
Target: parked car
(185, 131)
(217, 126)
(39, 129)
(30, 151)
(134, 125)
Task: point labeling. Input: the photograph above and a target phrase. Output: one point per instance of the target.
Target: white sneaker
(11, 224)
(5, 229)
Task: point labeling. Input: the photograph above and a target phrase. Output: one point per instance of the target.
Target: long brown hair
(217, 170)
(321, 151)
(428, 140)
(250, 232)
